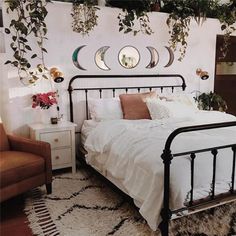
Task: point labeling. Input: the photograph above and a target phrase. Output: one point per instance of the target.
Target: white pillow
(161, 109)
(186, 99)
(105, 109)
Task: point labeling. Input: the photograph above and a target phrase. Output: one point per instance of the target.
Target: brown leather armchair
(24, 164)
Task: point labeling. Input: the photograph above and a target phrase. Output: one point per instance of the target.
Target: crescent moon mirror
(129, 57)
(100, 58)
(172, 57)
(75, 57)
(154, 58)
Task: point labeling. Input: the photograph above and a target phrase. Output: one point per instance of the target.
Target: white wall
(16, 102)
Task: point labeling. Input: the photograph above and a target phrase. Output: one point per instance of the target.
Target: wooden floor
(13, 221)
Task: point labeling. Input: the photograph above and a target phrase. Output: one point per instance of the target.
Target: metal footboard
(167, 157)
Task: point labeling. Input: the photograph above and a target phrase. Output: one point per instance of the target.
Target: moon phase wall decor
(154, 58)
(100, 58)
(171, 59)
(75, 57)
(129, 57)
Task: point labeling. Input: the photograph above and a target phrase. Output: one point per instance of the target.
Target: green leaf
(33, 56)
(7, 31)
(28, 47)
(7, 62)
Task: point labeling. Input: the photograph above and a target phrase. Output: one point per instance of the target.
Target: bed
(170, 167)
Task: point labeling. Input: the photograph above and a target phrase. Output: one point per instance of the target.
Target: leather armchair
(24, 164)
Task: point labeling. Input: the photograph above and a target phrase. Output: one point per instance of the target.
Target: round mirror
(129, 57)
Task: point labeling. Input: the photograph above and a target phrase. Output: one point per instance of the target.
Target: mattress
(128, 153)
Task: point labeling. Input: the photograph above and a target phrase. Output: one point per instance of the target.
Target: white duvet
(132, 154)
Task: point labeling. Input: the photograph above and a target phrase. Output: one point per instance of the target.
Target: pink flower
(44, 100)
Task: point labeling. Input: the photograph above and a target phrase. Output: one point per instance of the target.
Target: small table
(61, 137)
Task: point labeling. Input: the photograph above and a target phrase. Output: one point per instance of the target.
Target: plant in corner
(28, 20)
(84, 16)
(211, 101)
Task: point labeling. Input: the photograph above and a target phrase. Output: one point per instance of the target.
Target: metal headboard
(71, 89)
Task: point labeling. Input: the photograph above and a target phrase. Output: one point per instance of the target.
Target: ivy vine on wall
(28, 20)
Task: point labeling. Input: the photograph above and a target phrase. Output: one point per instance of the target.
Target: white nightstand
(61, 136)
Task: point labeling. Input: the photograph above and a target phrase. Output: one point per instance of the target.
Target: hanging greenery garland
(181, 12)
(28, 20)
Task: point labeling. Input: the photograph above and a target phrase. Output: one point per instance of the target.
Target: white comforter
(133, 150)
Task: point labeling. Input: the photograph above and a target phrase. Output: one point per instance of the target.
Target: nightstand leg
(74, 169)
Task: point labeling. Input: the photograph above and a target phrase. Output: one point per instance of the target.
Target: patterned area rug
(85, 205)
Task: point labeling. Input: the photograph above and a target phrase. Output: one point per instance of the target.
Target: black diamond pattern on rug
(85, 205)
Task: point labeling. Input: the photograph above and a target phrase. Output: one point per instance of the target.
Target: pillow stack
(142, 106)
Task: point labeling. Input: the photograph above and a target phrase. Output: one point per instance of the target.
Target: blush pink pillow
(134, 106)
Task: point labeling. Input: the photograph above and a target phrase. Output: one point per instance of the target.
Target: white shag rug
(85, 205)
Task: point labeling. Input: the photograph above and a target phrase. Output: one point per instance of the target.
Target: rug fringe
(39, 218)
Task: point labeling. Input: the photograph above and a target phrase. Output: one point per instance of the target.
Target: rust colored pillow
(134, 106)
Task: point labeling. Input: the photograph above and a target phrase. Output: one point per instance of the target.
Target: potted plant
(211, 101)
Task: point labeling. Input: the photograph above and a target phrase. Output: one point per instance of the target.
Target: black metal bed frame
(167, 155)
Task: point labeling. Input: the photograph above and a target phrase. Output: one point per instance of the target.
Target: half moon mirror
(100, 58)
(129, 57)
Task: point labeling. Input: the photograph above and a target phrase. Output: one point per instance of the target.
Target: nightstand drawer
(57, 139)
(61, 156)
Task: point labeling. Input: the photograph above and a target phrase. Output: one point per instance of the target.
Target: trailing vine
(227, 16)
(28, 20)
(134, 17)
(182, 11)
(84, 16)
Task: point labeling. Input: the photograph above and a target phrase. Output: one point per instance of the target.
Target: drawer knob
(57, 157)
(56, 140)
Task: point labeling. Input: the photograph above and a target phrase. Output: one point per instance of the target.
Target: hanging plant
(28, 20)
(226, 14)
(84, 15)
(182, 11)
(134, 17)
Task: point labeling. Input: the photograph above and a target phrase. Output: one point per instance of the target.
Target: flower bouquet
(44, 100)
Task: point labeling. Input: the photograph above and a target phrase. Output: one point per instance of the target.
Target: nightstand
(61, 136)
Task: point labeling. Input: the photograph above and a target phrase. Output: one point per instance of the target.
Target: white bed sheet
(130, 152)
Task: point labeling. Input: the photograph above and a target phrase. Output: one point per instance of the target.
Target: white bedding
(130, 151)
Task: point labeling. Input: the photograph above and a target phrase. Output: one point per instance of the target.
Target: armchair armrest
(39, 148)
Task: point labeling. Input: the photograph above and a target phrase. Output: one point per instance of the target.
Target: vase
(47, 114)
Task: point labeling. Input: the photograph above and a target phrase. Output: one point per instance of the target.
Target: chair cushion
(4, 144)
(17, 166)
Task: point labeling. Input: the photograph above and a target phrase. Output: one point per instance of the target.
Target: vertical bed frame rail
(167, 157)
